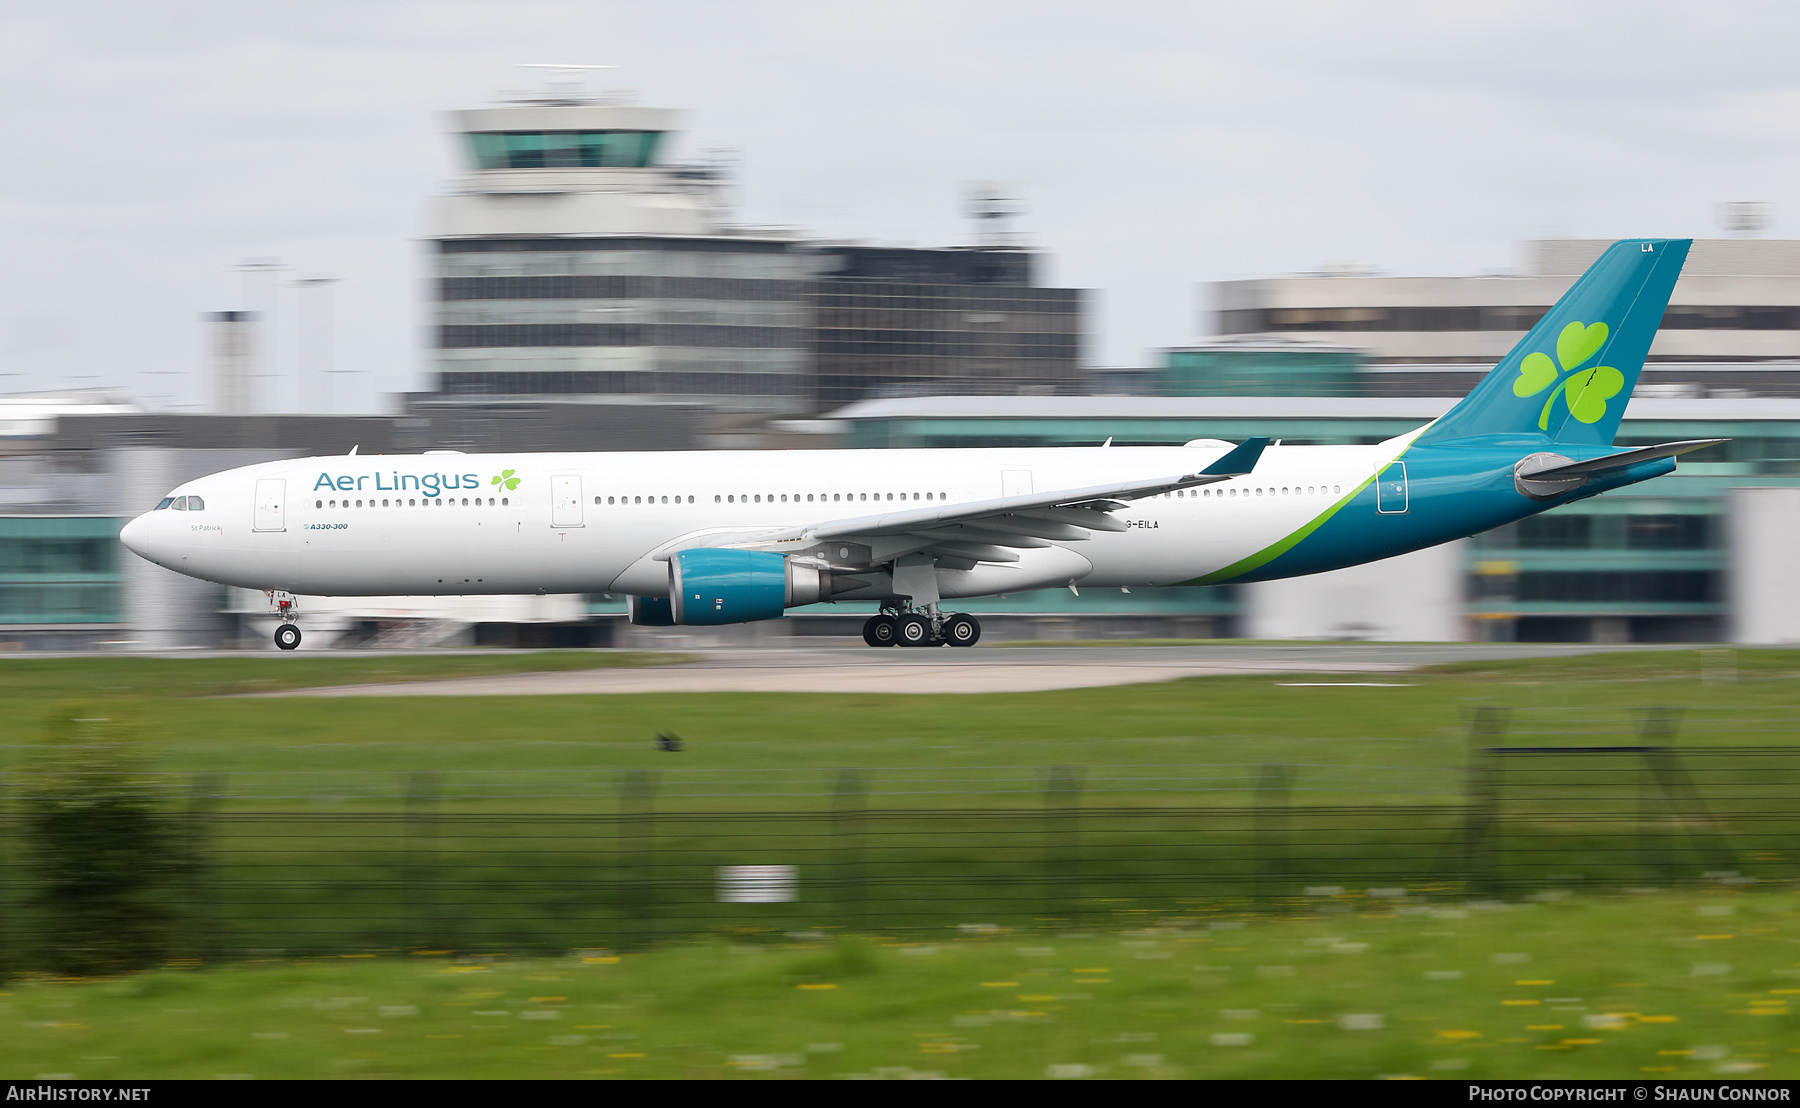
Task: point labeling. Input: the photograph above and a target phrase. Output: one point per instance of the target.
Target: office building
(575, 259)
(1732, 327)
(896, 322)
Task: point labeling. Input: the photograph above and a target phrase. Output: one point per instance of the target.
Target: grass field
(1676, 986)
(1405, 744)
(531, 839)
(26, 679)
(322, 846)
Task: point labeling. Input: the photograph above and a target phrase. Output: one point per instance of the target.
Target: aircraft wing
(991, 530)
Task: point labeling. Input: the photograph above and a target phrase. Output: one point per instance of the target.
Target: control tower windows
(564, 149)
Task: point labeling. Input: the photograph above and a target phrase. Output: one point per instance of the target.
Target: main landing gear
(921, 627)
(287, 636)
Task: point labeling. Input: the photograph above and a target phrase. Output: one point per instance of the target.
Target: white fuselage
(450, 524)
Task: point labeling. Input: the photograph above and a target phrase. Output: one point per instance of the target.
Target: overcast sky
(155, 145)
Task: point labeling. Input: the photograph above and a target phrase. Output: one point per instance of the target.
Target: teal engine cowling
(709, 587)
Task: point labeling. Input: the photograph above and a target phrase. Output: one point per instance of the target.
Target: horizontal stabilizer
(1547, 476)
(1622, 459)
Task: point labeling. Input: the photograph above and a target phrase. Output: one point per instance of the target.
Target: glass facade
(879, 338)
(773, 326)
(707, 321)
(60, 570)
(1246, 321)
(1260, 371)
(564, 149)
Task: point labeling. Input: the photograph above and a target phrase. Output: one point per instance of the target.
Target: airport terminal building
(587, 291)
(1699, 555)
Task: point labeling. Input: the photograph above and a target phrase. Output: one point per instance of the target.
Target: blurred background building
(590, 292)
(1733, 324)
(574, 259)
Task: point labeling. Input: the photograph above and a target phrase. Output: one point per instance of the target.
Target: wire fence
(412, 863)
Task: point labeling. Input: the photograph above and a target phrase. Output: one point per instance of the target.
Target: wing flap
(963, 533)
(975, 551)
(1092, 520)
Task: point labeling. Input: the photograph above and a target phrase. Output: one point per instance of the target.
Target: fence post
(1656, 733)
(637, 806)
(205, 920)
(1680, 800)
(848, 816)
(1062, 844)
(1272, 819)
(1481, 812)
(420, 867)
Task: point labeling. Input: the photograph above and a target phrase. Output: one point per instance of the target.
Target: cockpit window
(180, 504)
(166, 502)
(195, 504)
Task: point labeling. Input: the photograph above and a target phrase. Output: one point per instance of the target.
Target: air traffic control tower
(573, 260)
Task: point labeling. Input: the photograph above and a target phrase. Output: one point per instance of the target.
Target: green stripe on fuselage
(1270, 553)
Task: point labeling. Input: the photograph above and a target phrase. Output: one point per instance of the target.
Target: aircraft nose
(136, 535)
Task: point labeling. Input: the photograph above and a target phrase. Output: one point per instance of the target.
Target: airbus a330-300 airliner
(717, 537)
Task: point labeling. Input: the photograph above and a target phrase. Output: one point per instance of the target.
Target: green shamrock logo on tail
(1585, 393)
(507, 480)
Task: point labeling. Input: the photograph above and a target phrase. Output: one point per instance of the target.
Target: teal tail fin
(1571, 375)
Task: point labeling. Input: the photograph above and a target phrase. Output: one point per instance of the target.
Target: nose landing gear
(287, 636)
(921, 627)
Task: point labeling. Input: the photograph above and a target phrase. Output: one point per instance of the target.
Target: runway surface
(944, 670)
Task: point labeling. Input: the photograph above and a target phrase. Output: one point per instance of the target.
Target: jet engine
(710, 586)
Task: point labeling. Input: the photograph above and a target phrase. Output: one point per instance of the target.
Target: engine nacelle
(710, 586)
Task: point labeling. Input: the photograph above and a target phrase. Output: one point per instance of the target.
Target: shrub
(106, 850)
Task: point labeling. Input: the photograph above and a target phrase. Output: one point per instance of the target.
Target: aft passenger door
(1390, 490)
(565, 505)
(271, 504)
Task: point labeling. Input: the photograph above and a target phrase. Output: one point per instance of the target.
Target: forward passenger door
(271, 504)
(565, 504)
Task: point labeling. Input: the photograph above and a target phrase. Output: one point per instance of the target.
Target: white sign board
(758, 884)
